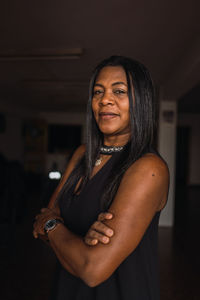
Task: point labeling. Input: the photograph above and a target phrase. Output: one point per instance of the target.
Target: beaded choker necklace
(109, 150)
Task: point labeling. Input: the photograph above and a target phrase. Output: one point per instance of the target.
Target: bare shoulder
(150, 165)
(78, 154)
(146, 181)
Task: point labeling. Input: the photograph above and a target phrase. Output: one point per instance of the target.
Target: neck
(119, 140)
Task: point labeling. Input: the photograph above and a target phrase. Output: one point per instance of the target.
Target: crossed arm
(142, 192)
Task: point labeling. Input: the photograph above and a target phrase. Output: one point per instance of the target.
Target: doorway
(182, 171)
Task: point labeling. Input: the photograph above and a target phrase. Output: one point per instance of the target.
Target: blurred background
(47, 52)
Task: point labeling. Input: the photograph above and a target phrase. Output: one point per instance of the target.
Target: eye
(97, 92)
(120, 91)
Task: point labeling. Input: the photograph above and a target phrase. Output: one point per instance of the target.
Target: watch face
(50, 224)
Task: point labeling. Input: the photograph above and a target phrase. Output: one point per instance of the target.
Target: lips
(107, 115)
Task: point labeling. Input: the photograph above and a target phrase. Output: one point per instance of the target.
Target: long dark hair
(142, 124)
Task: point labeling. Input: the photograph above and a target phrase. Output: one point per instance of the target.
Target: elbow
(93, 275)
(92, 280)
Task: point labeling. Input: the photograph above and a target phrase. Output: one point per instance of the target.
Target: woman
(115, 172)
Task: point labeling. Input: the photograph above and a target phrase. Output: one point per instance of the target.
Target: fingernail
(110, 232)
(105, 239)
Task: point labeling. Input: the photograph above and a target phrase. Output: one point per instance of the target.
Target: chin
(107, 130)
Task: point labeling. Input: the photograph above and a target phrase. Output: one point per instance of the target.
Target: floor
(27, 269)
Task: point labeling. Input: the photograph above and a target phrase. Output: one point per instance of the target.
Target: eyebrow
(115, 83)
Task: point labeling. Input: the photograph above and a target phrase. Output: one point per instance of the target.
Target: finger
(35, 235)
(38, 228)
(92, 234)
(91, 242)
(38, 231)
(102, 228)
(105, 216)
(34, 225)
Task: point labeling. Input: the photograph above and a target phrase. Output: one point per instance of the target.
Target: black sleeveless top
(136, 278)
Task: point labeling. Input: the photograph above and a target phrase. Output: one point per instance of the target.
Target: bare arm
(142, 192)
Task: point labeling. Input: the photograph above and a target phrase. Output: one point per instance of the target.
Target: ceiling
(164, 35)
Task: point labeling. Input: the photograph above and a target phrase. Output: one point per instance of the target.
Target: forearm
(71, 251)
(45, 239)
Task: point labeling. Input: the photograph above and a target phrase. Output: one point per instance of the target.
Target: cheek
(126, 111)
(127, 118)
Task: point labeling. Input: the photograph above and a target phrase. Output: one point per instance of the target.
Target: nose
(107, 98)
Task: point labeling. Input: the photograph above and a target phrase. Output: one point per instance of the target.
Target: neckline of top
(103, 167)
(97, 174)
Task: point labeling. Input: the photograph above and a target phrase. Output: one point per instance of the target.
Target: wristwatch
(51, 224)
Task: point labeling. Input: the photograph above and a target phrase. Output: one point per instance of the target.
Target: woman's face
(110, 102)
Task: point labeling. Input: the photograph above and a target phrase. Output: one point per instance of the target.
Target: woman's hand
(99, 232)
(41, 219)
